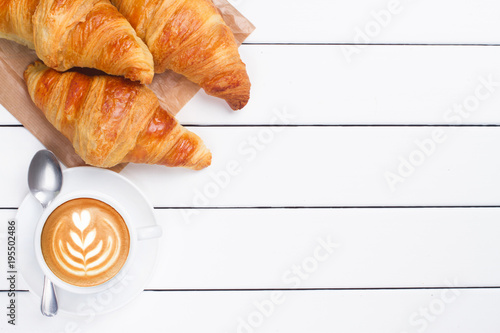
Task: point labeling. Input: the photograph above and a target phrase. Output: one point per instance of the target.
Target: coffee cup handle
(149, 232)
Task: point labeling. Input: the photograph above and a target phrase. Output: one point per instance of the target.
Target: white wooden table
(359, 190)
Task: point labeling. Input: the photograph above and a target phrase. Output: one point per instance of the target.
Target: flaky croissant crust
(191, 38)
(78, 33)
(15, 21)
(89, 33)
(111, 120)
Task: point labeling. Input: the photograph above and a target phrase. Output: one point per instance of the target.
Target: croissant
(78, 33)
(111, 120)
(15, 21)
(191, 38)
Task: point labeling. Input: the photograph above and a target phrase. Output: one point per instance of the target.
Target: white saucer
(141, 268)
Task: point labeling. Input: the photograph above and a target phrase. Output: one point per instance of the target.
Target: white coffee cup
(136, 234)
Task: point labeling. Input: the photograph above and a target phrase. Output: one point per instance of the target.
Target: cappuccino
(85, 242)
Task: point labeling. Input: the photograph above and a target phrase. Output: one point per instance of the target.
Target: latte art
(83, 248)
(85, 242)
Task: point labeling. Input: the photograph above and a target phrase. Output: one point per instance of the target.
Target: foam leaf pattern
(76, 239)
(92, 253)
(74, 252)
(89, 239)
(83, 248)
(82, 220)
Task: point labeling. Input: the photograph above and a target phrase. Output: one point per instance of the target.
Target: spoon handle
(49, 300)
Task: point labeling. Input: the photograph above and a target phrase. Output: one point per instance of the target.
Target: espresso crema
(85, 242)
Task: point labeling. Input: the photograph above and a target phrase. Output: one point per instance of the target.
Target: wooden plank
(381, 85)
(410, 311)
(17, 149)
(307, 166)
(318, 166)
(286, 248)
(372, 21)
(323, 248)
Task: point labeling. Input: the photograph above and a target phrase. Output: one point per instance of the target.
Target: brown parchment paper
(173, 90)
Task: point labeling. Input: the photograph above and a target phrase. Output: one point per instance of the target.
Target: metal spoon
(45, 182)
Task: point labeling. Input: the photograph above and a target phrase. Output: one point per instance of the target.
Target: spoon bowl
(44, 177)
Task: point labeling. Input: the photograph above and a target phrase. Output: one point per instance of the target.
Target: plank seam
(342, 125)
(331, 207)
(364, 44)
(322, 289)
(312, 207)
(303, 289)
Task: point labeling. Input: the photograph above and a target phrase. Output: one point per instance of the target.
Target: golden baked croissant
(191, 38)
(15, 21)
(78, 33)
(111, 120)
